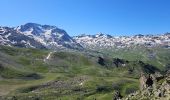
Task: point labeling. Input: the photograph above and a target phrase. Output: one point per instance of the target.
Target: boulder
(117, 95)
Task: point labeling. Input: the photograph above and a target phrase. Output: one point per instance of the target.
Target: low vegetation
(24, 74)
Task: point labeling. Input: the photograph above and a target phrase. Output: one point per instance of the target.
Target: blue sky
(115, 17)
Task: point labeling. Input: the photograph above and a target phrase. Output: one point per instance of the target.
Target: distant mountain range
(50, 37)
(107, 41)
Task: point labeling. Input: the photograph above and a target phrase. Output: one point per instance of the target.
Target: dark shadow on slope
(147, 68)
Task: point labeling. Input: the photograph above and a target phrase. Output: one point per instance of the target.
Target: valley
(35, 74)
(42, 62)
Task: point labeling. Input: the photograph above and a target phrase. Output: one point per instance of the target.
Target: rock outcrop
(117, 95)
(119, 62)
(153, 87)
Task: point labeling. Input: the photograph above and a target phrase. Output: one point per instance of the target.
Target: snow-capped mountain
(47, 36)
(100, 41)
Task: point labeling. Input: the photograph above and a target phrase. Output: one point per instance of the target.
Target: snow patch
(48, 56)
(6, 36)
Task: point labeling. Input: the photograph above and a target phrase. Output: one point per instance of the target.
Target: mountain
(84, 74)
(103, 41)
(37, 36)
(36, 74)
(46, 36)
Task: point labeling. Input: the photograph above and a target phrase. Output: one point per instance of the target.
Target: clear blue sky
(115, 17)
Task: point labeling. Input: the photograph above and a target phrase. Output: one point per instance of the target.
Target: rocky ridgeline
(152, 87)
(102, 41)
(51, 37)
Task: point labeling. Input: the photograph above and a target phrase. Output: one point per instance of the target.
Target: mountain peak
(36, 28)
(103, 35)
(47, 35)
(99, 34)
(31, 24)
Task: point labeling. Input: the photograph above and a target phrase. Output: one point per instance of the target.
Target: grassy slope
(157, 56)
(99, 83)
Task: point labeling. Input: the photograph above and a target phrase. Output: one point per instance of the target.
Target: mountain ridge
(52, 37)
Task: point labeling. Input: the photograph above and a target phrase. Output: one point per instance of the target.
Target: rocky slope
(152, 87)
